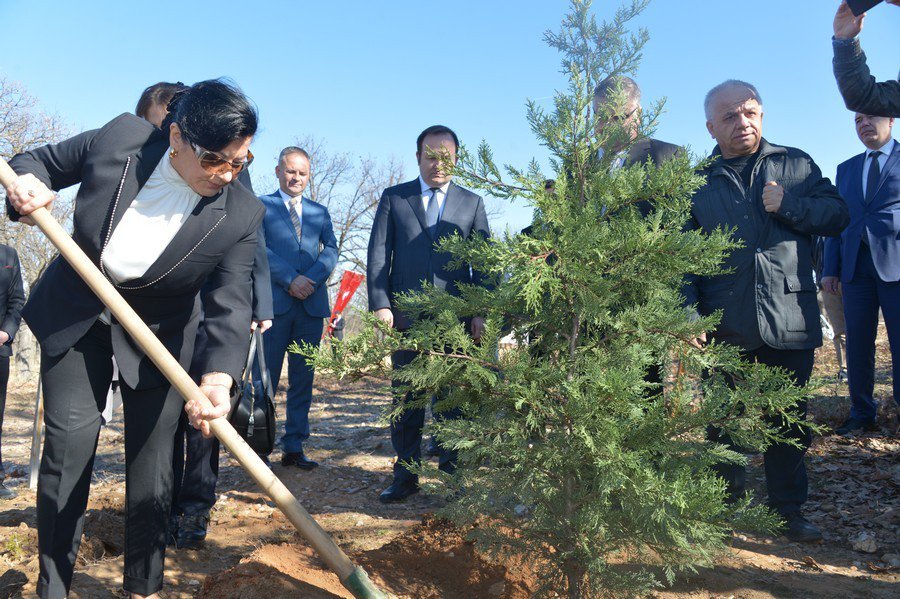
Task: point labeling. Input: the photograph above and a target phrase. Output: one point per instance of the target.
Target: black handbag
(252, 409)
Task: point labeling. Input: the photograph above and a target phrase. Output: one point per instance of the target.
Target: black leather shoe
(800, 530)
(298, 460)
(842, 376)
(434, 448)
(852, 425)
(399, 491)
(192, 531)
(6, 492)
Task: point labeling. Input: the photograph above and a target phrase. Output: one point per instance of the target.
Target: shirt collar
(426, 187)
(285, 197)
(171, 176)
(886, 149)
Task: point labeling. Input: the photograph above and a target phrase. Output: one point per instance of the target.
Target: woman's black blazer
(217, 243)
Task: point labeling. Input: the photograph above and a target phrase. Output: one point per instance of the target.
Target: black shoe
(434, 448)
(399, 491)
(298, 460)
(192, 531)
(6, 492)
(800, 530)
(172, 531)
(842, 376)
(852, 425)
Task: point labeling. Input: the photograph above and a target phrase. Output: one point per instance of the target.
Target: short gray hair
(294, 150)
(628, 85)
(726, 85)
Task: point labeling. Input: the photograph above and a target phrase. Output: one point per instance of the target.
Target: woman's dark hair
(158, 93)
(212, 114)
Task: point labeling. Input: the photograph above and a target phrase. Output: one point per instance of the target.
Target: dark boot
(192, 531)
(6, 492)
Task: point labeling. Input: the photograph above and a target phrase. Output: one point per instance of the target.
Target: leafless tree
(24, 126)
(350, 188)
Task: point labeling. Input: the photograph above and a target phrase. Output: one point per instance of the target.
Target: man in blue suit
(409, 219)
(864, 263)
(302, 252)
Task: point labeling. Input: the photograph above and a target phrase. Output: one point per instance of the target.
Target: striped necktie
(296, 206)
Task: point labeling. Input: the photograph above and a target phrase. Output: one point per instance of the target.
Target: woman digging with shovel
(155, 212)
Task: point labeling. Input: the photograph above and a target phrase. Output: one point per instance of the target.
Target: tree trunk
(25, 364)
(575, 581)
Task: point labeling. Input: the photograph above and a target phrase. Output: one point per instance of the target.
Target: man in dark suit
(863, 264)
(302, 252)
(12, 298)
(627, 151)
(775, 200)
(409, 219)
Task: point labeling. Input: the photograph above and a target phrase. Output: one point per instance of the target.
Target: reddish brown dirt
(252, 551)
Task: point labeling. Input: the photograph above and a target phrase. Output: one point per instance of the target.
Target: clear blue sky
(367, 77)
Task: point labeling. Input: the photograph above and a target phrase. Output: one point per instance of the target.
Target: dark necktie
(874, 175)
(431, 212)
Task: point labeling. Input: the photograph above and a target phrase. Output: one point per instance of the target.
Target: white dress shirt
(158, 212)
(617, 163)
(440, 192)
(885, 150)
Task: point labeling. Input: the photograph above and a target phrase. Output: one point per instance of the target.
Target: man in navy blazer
(864, 263)
(409, 219)
(302, 252)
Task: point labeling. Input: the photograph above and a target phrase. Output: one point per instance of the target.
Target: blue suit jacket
(879, 220)
(313, 256)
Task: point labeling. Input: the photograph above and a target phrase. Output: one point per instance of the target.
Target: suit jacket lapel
(855, 175)
(893, 162)
(139, 169)
(414, 197)
(310, 234)
(639, 152)
(205, 216)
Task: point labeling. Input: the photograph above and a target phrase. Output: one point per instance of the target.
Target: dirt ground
(252, 551)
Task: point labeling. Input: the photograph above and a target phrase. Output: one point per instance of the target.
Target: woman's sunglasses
(215, 164)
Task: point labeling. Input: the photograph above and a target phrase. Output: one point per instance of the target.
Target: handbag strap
(249, 366)
(261, 355)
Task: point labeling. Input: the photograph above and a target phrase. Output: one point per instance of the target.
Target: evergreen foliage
(568, 457)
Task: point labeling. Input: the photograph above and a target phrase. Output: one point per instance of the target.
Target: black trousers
(4, 381)
(75, 387)
(406, 431)
(195, 465)
(786, 478)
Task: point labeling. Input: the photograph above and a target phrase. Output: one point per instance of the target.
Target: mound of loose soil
(432, 560)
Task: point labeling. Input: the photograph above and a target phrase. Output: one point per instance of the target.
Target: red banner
(350, 282)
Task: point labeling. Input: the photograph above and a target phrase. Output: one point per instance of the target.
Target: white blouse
(149, 224)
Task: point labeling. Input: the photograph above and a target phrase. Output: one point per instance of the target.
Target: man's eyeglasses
(212, 162)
